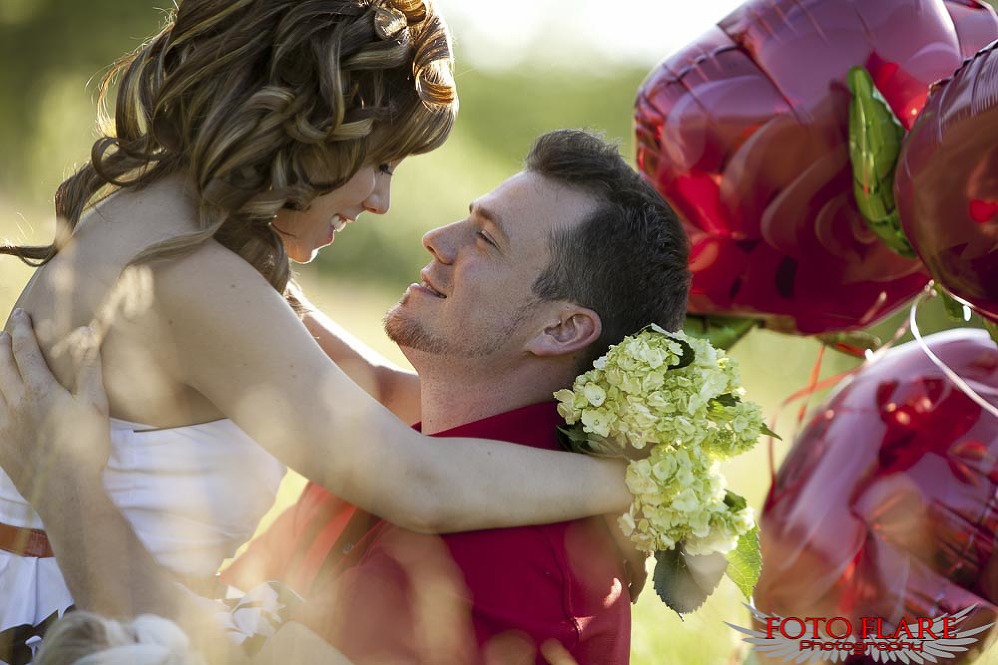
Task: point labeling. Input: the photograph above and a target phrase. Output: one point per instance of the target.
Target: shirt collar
(534, 426)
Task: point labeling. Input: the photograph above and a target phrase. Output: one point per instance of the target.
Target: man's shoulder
(533, 425)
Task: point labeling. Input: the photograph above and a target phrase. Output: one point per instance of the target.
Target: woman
(249, 132)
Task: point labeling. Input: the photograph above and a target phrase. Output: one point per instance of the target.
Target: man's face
(475, 298)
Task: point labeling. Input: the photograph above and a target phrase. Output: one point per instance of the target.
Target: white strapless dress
(192, 494)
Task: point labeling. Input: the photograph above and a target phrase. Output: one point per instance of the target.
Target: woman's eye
(386, 169)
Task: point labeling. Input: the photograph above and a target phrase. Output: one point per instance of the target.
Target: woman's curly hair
(258, 101)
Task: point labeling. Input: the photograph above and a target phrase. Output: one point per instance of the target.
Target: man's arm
(394, 387)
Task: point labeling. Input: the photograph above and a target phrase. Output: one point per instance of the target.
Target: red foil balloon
(887, 505)
(745, 133)
(946, 183)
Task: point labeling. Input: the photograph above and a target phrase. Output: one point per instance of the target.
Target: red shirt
(478, 596)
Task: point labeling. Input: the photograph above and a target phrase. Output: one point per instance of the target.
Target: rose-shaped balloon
(886, 505)
(745, 133)
(946, 183)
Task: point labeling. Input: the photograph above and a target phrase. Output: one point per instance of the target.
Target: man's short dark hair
(628, 260)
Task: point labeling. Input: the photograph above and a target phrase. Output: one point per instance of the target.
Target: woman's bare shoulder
(212, 290)
(210, 273)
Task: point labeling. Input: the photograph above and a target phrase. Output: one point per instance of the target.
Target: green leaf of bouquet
(574, 439)
(689, 355)
(745, 563)
(684, 582)
(727, 399)
(734, 501)
(768, 432)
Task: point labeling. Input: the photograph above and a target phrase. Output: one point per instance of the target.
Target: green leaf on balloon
(721, 331)
(854, 342)
(954, 309)
(992, 329)
(875, 137)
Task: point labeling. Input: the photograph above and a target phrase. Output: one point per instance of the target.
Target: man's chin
(408, 333)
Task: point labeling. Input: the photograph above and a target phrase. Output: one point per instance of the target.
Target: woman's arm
(242, 347)
(392, 386)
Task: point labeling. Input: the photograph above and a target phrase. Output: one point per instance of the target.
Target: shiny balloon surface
(887, 505)
(745, 133)
(946, 183)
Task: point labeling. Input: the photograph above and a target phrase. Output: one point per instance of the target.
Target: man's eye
(486, 238)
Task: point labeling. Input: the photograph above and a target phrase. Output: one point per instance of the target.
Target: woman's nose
(380, 199)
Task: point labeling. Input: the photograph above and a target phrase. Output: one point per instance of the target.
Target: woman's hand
(54, 444)
(43, 426)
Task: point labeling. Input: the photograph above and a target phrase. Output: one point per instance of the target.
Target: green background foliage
(52, 55)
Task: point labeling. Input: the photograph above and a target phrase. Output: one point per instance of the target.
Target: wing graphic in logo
(929, 650)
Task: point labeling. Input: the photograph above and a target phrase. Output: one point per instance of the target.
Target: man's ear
(573, 329)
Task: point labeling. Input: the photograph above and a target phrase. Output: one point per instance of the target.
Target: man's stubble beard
(410, 333)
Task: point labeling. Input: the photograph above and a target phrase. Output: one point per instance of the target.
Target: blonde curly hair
(265, 104)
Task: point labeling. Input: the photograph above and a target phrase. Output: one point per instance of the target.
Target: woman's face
(304, 232)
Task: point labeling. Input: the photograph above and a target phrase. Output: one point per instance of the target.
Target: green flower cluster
(671, 404)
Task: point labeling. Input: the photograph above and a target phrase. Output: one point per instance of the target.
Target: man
(549, 269)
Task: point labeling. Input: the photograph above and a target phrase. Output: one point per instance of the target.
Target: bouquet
(672, 405)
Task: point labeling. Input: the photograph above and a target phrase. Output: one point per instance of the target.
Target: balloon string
(943, 367)
(805, 392)
(811, 383)
(886, 346)
(813, 386)
(771, 446)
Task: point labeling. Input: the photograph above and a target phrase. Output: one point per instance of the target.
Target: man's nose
(442, 242)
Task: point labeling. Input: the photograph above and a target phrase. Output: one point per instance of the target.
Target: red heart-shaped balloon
(946, 183)
(745, 133)
(887, 505)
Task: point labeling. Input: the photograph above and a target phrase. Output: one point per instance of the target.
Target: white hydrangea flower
(675, 424)
(597, 421)
(594, 394)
